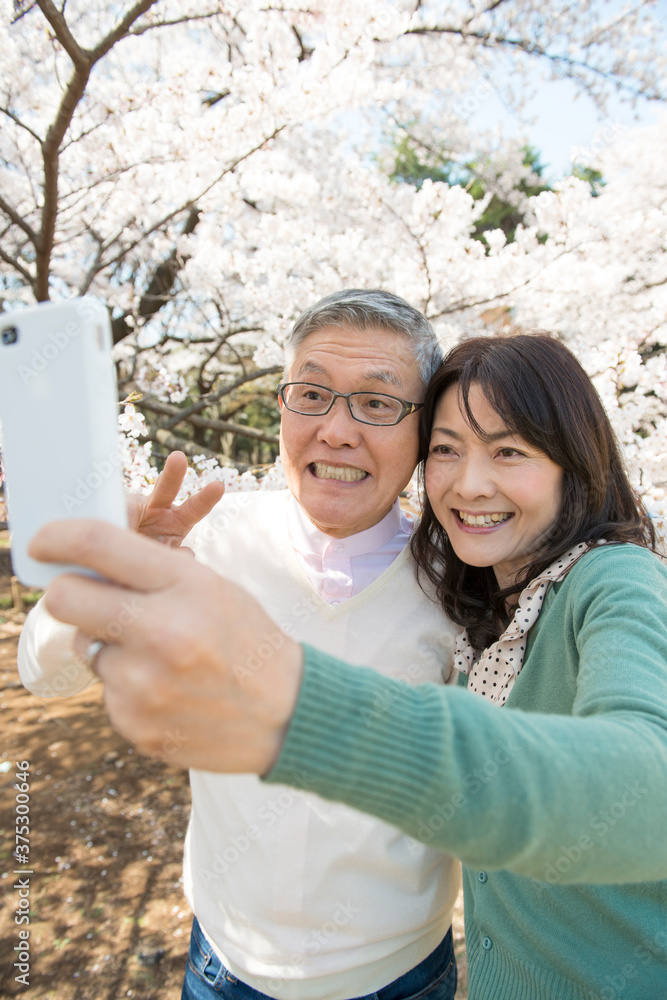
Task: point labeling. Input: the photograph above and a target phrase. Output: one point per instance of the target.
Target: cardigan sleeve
(503, 788)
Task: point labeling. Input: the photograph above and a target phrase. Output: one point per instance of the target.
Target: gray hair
(370, 309)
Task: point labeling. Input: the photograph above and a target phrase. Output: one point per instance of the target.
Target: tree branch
(192, 201)
(18, 267)
(121, 29)
(489, 41)
(164, 276)
(493, 6)
(160, 285)
(213, 397)
(304, 51)
(462, 304)
(19, 13)
(83, 62)
(143, 28)
(153, 300)
(223, 426)
(21, 124)
(654, 284)
(19, 221)
(61, 30)
(173, 443)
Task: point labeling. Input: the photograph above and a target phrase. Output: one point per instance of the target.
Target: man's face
(317, 451)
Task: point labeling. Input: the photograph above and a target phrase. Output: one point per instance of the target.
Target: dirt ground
(108, 918)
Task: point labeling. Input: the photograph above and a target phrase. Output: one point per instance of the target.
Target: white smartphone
(60, 442)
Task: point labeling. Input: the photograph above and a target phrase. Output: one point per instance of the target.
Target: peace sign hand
(156, 516)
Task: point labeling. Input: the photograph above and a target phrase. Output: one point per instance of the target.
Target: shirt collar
(307, 539)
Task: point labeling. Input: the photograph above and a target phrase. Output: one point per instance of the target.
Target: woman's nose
(474, 479)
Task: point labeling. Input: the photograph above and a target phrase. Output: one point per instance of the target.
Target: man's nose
(338, 428)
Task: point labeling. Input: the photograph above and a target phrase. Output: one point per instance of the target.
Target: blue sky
(562, 118)
(562, 115)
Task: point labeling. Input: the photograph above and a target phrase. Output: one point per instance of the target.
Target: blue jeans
(206, 977)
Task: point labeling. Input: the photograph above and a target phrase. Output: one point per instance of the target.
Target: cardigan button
(487, 944)
(482, 876)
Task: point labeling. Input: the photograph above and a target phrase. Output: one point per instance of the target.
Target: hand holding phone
(60, 441)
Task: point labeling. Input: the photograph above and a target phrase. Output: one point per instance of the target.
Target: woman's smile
(477, 521)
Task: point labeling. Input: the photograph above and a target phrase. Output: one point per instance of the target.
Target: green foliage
(592, 176)
(29, 599)
(262, 414)
(471, 174)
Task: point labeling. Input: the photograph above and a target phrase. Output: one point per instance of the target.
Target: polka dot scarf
(494, 671)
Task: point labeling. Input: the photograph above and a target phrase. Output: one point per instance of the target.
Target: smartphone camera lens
(9, 335)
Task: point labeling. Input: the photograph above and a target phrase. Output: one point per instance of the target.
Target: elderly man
(293, 897)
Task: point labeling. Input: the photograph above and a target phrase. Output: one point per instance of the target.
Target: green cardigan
(556, 803)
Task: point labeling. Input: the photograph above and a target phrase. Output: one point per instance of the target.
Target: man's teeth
(477, 519)
(342, 472)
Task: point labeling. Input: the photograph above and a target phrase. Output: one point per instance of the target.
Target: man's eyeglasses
(366, 407)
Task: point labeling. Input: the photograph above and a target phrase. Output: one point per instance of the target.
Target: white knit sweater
(305, 899)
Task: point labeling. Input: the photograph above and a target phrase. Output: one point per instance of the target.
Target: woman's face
(496, 498)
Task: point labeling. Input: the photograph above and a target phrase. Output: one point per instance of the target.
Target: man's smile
(343, 473)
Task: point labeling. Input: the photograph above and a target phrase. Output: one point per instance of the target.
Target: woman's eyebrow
(505, 433)
(445, 430)
(496, 436)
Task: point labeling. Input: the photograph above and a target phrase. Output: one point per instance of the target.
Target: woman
(548, 776)
(529, 511)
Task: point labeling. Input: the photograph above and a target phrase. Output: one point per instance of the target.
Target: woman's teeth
(344, 473)
(481, 519)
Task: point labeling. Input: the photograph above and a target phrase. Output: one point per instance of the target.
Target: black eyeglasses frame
(407, 407)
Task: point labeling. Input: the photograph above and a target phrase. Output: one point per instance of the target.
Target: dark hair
(542, 394)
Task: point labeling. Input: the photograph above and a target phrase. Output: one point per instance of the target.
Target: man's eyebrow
(310, 368)
(374, 375)
(382, 375)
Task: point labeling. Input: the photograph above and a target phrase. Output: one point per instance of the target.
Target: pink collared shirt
(339, 568)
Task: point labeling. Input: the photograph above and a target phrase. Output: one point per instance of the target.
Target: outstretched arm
(47, 661)
(498, 787)
(179, 638)
(567, 798)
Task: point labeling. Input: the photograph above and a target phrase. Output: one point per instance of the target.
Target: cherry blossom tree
(209, 169)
